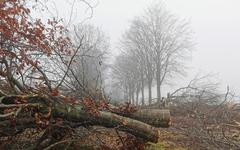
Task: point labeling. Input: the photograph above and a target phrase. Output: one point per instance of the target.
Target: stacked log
(143, 123)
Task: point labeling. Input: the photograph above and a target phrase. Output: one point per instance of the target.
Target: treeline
(154, 50)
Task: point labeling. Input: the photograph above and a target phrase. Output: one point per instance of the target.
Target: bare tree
(161, 44)
(169, 40)
(134, 43)
(89, 67)
(126, 74)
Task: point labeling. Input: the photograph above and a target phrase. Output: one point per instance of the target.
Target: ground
(101, 138)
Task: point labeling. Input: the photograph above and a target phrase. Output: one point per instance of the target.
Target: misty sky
(216, 26)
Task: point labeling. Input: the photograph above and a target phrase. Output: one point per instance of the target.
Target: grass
(163, 145)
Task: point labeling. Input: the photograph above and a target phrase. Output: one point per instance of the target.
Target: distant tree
(134, 43)
(90, 61)
(161, 43)
(170, 40)
(126, 74)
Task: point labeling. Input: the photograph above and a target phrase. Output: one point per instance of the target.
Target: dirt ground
(100, 138)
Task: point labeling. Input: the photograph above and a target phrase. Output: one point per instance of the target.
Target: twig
(124, 146)
(60, 142)
(19, 105)
(70, 62)
(2, 93)
(11, 113)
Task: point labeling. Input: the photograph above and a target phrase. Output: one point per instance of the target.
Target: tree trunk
(126, 96)
(133, 98)
(137, 95)
(129, 95)
(150, 91)
(142, 91)
(158, 78)
(154, 117)
(78, 114)
(159, 95)
(108, 119)
(142, 88)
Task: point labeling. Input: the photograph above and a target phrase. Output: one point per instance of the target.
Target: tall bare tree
(134, 43)
(170, 41)
(161, 43)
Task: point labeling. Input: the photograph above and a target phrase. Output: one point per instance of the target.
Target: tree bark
(150, 91)
(142, 86)
(126, 93)
(158, 80)
(154, 117)
(137, 95)
(159, 96)
(133, 97)
(108, 119)
(133, 123)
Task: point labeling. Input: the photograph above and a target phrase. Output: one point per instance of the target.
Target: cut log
(76, 113)
(108, 119)
(154, 117)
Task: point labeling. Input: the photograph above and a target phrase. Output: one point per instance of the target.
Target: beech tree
(161, 43)
(24, 41)
(134, 43)
(170, 40)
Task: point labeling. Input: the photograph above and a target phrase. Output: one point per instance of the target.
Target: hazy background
(216, 24)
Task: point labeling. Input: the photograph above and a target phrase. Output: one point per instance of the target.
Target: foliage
(24, 40)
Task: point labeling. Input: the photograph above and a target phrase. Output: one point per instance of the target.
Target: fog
(215, 25)
(126, 74)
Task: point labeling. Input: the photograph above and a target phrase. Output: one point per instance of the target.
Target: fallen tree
(19, 112)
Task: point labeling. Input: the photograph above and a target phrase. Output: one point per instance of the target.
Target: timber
(159, 118)
(142, 123)
(154, 117)
(108, 119)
